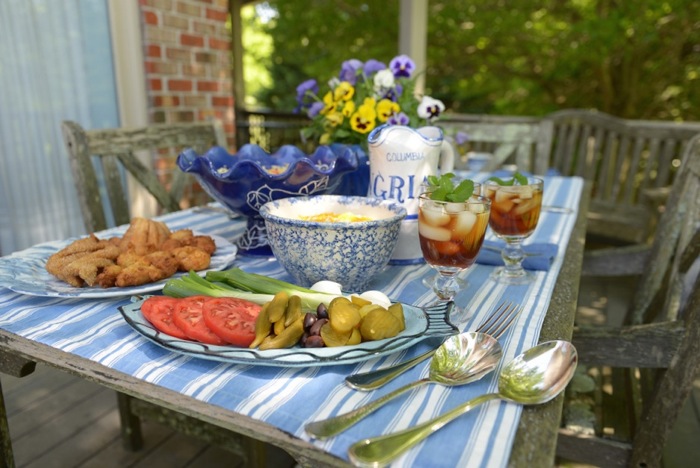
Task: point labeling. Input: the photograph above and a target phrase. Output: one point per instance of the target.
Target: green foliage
(443, 188)
(633, 59)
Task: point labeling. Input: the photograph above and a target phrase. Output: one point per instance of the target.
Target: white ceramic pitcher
(400, 160)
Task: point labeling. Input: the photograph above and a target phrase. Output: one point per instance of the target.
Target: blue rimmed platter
(421, 323)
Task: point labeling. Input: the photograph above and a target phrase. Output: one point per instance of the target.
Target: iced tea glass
(451, 234)
(515, 211)
(430, 281)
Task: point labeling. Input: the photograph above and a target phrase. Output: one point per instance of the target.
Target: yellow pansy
(348, 108)
(344, 91)
(386, 108)
(334, 118)
(329, 103)
(365, 119)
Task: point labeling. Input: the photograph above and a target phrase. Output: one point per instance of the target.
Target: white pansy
(383, 80)
(430, 108)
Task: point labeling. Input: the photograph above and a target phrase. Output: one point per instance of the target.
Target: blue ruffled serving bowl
(245, 181)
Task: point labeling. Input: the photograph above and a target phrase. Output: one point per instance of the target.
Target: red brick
(219, 44)
(155, 84)
(149, 67)
(222, 101)
(153, 51)
(207, 86)
(180, 85)
(218, 15)
(150, 17)
(190, 40)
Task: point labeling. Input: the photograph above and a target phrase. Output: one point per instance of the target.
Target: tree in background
(636, 59)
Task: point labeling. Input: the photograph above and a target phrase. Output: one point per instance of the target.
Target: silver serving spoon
(461, 359)
(536, 376)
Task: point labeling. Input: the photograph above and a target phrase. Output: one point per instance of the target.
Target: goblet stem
(513, 271)
(445, 286)
(513, 255)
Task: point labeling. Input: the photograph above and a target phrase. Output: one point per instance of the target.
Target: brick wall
(188, 62)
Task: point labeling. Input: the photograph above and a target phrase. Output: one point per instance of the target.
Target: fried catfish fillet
(80, 262)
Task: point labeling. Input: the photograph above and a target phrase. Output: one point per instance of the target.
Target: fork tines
(500, 319)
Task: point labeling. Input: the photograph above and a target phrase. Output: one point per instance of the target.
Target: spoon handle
(375, 379)
(379, 451)
(332, 426)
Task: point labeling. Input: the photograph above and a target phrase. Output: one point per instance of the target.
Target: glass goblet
(429, 282)
(451, 234)
(515, 211)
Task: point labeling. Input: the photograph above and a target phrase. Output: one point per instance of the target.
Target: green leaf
(522, 180)
(442, 188)
(500, 181)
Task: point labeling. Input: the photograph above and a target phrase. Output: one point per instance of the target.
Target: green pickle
(343, 315)
(379, 324)
(262, 327)
(288, 338)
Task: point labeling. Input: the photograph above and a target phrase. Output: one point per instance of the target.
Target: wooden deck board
(58, 420)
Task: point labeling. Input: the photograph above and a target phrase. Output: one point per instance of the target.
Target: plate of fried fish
(129, 260)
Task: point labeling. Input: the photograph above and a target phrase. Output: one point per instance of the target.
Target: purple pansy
(314, 109)
(398, 119)
(373, 66)
(402, 66)
(461, 138)
(349, 69)
(303, 98)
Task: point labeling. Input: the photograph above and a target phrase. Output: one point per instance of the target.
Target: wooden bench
(630, 163)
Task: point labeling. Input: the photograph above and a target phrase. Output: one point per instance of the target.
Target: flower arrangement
(362, 97)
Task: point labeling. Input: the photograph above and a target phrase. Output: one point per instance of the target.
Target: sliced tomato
(232, 319)
(188, 316)
(159, 311)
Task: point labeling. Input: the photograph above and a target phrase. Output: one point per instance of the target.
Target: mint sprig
(443, 189)
(517, 177)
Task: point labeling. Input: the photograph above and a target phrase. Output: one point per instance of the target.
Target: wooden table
(534, 442)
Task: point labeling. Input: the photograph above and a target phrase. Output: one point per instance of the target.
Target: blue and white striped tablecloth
(290, 397)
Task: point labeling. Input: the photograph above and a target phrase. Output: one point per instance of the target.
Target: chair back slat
(114, 185)
(129, 155)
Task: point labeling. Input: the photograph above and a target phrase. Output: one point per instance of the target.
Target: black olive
(316, 327)
(322, 311)
(314, 341)
(309, 319)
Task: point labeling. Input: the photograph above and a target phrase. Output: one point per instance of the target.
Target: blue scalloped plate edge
(421, 323)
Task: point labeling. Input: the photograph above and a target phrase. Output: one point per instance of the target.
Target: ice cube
(464, 222)
(434, 233)
(434, 215)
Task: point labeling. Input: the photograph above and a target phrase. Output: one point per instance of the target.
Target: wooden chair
(628, 161)
(654, 357)
(525, 144)
(117, 151)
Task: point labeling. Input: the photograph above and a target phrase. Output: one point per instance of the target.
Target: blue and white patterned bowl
(349, 253)
(246, 180)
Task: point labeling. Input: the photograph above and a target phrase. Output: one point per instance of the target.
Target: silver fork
(495, 325)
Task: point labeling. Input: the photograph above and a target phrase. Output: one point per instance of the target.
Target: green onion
(195, 285)
(261, 284)
(242, 285)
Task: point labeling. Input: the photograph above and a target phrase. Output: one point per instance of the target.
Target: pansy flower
(349, 70)
(430, 108)
(387, 108)
(399, 119)
(402, 66)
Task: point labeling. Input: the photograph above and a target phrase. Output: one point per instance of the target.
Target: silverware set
(534, 377)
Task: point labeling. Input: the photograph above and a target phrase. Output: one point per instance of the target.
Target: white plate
(25, 271)
(420, 324)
